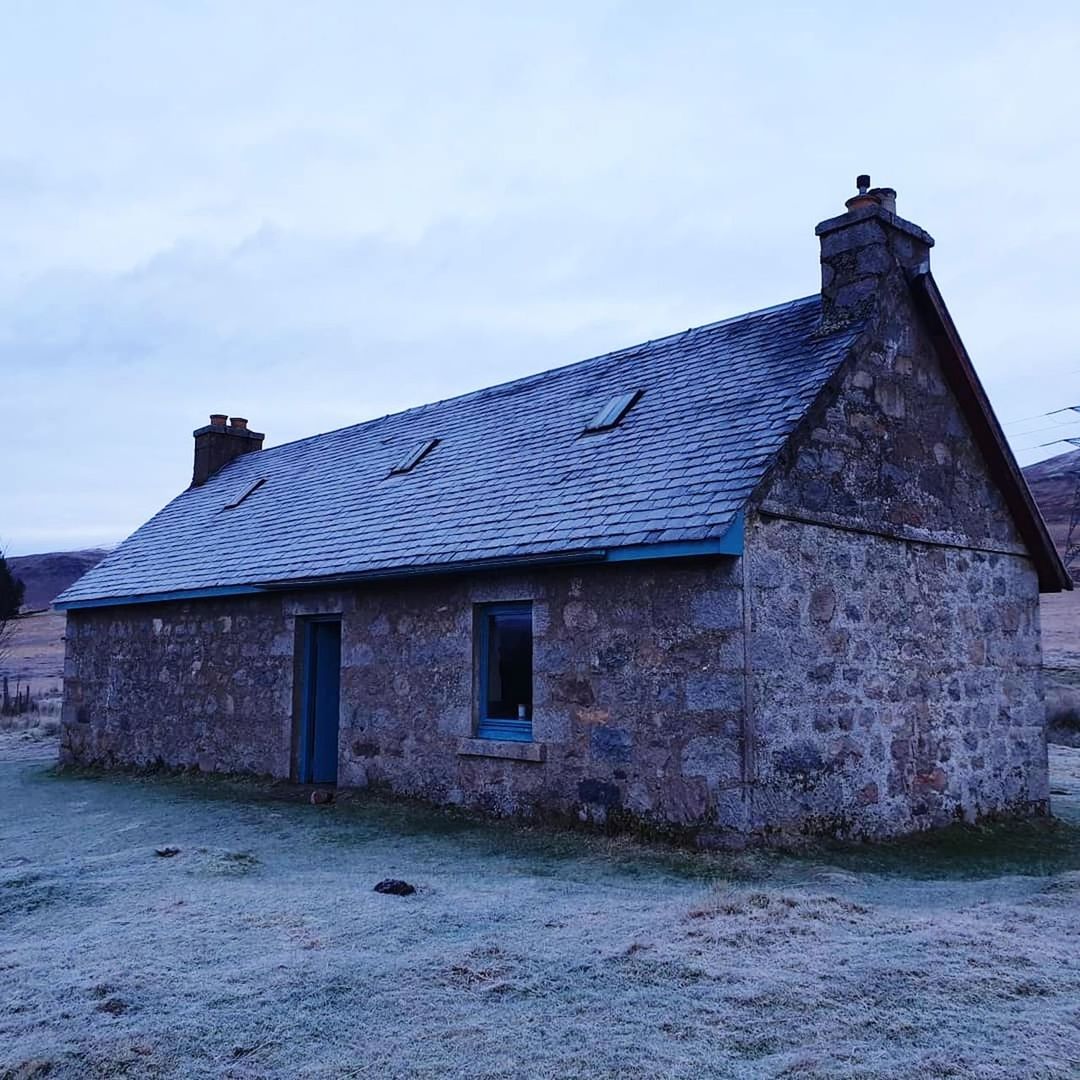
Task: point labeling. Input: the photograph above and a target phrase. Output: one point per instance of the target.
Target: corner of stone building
(870, 720)
(873, 523)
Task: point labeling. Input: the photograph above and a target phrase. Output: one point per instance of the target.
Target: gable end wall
(894, 610)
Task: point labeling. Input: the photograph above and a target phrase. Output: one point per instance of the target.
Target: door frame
(304, 718)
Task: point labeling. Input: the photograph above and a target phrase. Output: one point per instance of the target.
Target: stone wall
(895, 642)
(638, 689)
(887, 449)
(896, 685)
(203, 684)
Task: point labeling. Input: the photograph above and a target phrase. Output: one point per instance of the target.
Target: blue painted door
(322, 683)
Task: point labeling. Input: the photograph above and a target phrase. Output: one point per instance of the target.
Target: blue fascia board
(159, 598)
(731, 543)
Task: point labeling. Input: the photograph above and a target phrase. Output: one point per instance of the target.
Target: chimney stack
(861, 247)
(219, 442)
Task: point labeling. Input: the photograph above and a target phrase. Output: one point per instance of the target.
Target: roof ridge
(537, 375)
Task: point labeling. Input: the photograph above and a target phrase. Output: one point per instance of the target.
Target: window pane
(610, 415)
(414, 457)
(509, 665)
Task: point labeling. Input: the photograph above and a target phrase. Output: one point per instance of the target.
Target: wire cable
(1039, 416)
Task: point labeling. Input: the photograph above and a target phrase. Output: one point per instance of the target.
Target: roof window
(249, 490)
(414, 457)
(613, 412)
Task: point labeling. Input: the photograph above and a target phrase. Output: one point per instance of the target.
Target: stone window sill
(497, 748)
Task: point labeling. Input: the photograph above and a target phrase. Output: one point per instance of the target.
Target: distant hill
(1053, 483)
(47, 576)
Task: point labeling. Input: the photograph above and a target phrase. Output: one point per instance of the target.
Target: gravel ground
(261, 950)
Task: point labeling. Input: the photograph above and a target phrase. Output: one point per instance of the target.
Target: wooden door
(318, 758)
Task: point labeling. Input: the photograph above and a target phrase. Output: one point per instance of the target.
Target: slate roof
(512, 474)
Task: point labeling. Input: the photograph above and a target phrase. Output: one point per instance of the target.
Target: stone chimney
(862, 246)
(223, 439)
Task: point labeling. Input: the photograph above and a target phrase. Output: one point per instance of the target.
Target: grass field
(260, 949)
(36, 653)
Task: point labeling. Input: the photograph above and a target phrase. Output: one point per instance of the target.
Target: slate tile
(719, 402)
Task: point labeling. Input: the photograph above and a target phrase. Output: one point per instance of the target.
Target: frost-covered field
(261, 950)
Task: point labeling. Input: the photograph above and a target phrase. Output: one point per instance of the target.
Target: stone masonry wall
(887, 448)
(895, 630)
(638, 689)
(896, 685)
(203, 684)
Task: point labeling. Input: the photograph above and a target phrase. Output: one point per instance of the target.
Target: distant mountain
(1053, 483)
(47, 576)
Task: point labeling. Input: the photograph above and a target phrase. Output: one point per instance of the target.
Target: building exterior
(775, 575)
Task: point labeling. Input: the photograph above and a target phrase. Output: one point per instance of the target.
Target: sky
(314, 214)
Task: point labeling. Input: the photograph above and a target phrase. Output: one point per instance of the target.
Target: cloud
(313, 216)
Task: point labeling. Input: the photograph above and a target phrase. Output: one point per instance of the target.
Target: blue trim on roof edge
(160, 598)
(731, 543)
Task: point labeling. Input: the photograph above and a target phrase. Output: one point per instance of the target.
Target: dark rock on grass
(394, 887)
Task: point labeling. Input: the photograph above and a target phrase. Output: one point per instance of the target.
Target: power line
(1039, 416)
(1045, 427)
(1052, 442)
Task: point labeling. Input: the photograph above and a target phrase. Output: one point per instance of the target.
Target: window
(248, 491)
(610, 415)
(504, 662)
(414, 456)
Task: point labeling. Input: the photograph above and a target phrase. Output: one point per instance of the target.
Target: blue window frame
(504, 653)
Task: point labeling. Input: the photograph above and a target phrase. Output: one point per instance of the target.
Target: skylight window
(249, 490)
(414, 457)
(613, 412)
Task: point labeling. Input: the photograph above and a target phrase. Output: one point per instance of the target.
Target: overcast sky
(312, 214)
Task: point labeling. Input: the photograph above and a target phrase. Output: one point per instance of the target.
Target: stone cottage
(776, 574)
